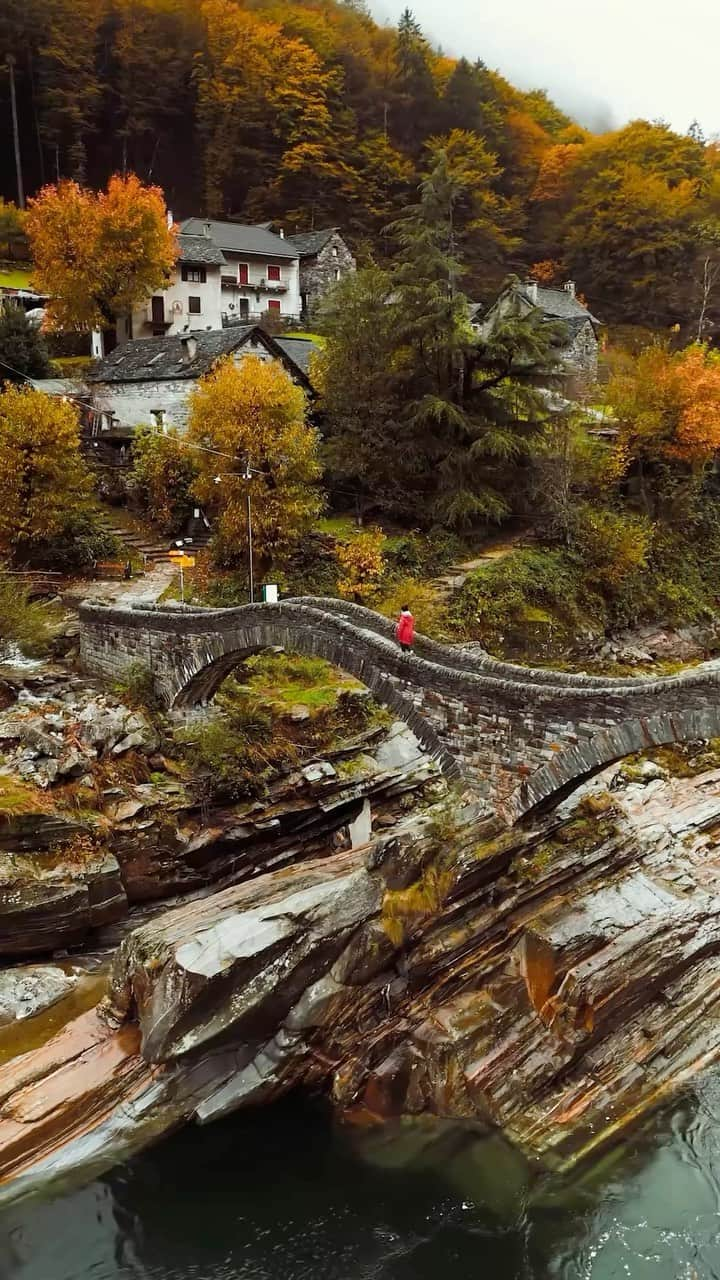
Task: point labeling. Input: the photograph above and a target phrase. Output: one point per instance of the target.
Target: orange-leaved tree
(99, 254)
(362, 565)
(45, 485)
(667, 407)
(250, 416)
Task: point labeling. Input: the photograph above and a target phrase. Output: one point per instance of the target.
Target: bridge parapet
(517, 737)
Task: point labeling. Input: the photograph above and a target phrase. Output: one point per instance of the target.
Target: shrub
(235, 752)
(526, 593)
(611, 546)
(81, 543)
(362, 565)
(162, 476)
(136, 688)
(24, 622)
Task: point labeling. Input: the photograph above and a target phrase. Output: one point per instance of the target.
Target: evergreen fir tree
(22, 350)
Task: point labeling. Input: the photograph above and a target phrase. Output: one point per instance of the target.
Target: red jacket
(405, 630)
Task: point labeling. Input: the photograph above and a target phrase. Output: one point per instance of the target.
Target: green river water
(286, 1194)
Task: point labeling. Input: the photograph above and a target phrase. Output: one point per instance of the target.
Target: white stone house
(150, 380)
(578, 360)
(261, 272)
(190, 303)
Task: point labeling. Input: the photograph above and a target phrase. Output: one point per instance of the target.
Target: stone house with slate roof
(150, 380)
(324, 259)
(579, 357)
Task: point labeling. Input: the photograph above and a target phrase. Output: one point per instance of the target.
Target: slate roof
(56, 386)
(159, 359)
(162, 359)
(308, 243)
(299, 350)
(201, 250)
(558, 303)
(239, 238)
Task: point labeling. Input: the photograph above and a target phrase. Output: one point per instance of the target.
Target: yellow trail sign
(182, 561)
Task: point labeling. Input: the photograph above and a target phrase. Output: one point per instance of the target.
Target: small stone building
(579, 358)
(324, 259)
(150, 380)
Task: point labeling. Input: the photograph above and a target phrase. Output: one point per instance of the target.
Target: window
(158, 417)
(273, 304)
(273, 272)
(337, 273)
(242, 272)
(334, 251)
(194, 275)
(194, 306)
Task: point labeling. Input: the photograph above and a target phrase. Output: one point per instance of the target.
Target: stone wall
(581, 356)
(133, 403)
(321, 271)
(516, 737)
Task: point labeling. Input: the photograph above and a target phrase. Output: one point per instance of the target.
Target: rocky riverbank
(555, 981)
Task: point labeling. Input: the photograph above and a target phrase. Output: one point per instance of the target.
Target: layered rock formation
(555, 981)
(95, 819)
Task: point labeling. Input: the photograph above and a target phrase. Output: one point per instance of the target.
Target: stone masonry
(514, 736)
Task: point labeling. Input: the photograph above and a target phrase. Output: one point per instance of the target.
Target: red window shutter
(242, 272)
(273, 304)
(273, 272)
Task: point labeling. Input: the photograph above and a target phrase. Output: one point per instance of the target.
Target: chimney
(189, 346)
(169, 218)
(207, 228)
(569, 287)
(531, 289)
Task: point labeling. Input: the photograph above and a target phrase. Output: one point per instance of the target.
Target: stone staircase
(137, 545)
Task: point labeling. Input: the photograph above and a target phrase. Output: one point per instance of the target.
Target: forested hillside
(308, 111)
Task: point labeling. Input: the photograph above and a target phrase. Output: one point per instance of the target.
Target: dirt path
(453, 578)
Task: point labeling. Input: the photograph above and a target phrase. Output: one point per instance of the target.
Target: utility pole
(250, 546)
(10, 64)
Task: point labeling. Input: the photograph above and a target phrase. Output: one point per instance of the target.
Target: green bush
(528, 596)
(235, 752)
(28, 623)
(82, 542)
(136, 688)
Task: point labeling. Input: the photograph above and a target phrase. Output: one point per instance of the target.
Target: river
(286, 1194)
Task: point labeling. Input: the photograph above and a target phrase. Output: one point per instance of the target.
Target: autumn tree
(483, 221)
(362, 565)
(251, 417)
(667, 406)
(163, 472)
(45, 485)
(260, 95)
(97, 255)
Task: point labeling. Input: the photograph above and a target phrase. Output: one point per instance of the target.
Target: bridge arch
(223, 652)
(582, 761)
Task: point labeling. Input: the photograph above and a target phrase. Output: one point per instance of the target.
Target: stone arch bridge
(515, 736)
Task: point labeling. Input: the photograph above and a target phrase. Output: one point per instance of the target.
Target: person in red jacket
(405, 629)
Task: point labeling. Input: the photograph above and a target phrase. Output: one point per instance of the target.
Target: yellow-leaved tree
(99, 254)
(45, 485)
(251, 415)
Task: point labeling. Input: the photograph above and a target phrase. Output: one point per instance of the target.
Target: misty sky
(604, 62)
